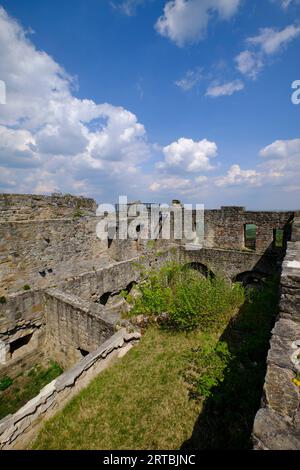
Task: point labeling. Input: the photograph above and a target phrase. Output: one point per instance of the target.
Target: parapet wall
(277, 423)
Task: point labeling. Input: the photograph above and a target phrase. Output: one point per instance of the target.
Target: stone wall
(41, 253)
(21, 317)
(231, 263)
(62, 325)
(73, 329)
(17, 430)
(277, 423)
(25, 207)
(118, 275)
(224, 228)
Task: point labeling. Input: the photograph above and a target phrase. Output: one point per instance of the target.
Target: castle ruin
(60, 297)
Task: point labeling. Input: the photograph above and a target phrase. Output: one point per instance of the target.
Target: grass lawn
(141, 402)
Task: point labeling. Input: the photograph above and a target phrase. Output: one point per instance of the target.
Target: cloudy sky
(153, 99)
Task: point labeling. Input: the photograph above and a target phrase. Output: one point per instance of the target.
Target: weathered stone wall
(18, 429)
(41, 253)
(21, 316)
(224, 228)
(277, 423)
(64, 325)
(231, 263)
(25, 207)
(116, 276)
(73, 327)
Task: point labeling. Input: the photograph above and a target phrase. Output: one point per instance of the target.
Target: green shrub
(2, 300)
(26, 287)
(207, 367)
(5, 383)
(189, 299)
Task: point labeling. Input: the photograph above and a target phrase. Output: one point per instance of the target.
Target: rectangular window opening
(278, 238)
(250, 236)
(19, 343)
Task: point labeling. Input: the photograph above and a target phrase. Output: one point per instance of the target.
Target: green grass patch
(5, 383)
(141, 402)
(16, 393)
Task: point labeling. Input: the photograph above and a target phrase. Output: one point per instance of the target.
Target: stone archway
(251, 279)
(200, 268)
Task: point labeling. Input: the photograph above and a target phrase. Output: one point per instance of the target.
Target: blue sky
(155, 99)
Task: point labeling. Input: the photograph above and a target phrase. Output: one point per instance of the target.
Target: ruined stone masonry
(277, 423)
(61, 298)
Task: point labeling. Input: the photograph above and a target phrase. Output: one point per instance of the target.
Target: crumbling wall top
(23, 207)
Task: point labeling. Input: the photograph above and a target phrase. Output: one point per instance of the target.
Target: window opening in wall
(83, 352)
(250, 236)
(278, 238)
(19, 343)
(42, 273)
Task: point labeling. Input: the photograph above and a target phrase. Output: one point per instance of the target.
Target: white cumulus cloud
(63, 140)
(170, 183)
(189, 155)
(186, 21)
(237, 176)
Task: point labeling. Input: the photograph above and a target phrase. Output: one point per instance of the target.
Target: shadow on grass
(227, 416)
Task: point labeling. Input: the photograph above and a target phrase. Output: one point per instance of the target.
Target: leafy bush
(26, 287)
(189, 299)
(5, 383)
(207, 367)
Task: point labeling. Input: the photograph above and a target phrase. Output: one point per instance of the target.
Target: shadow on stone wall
(227, 416)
